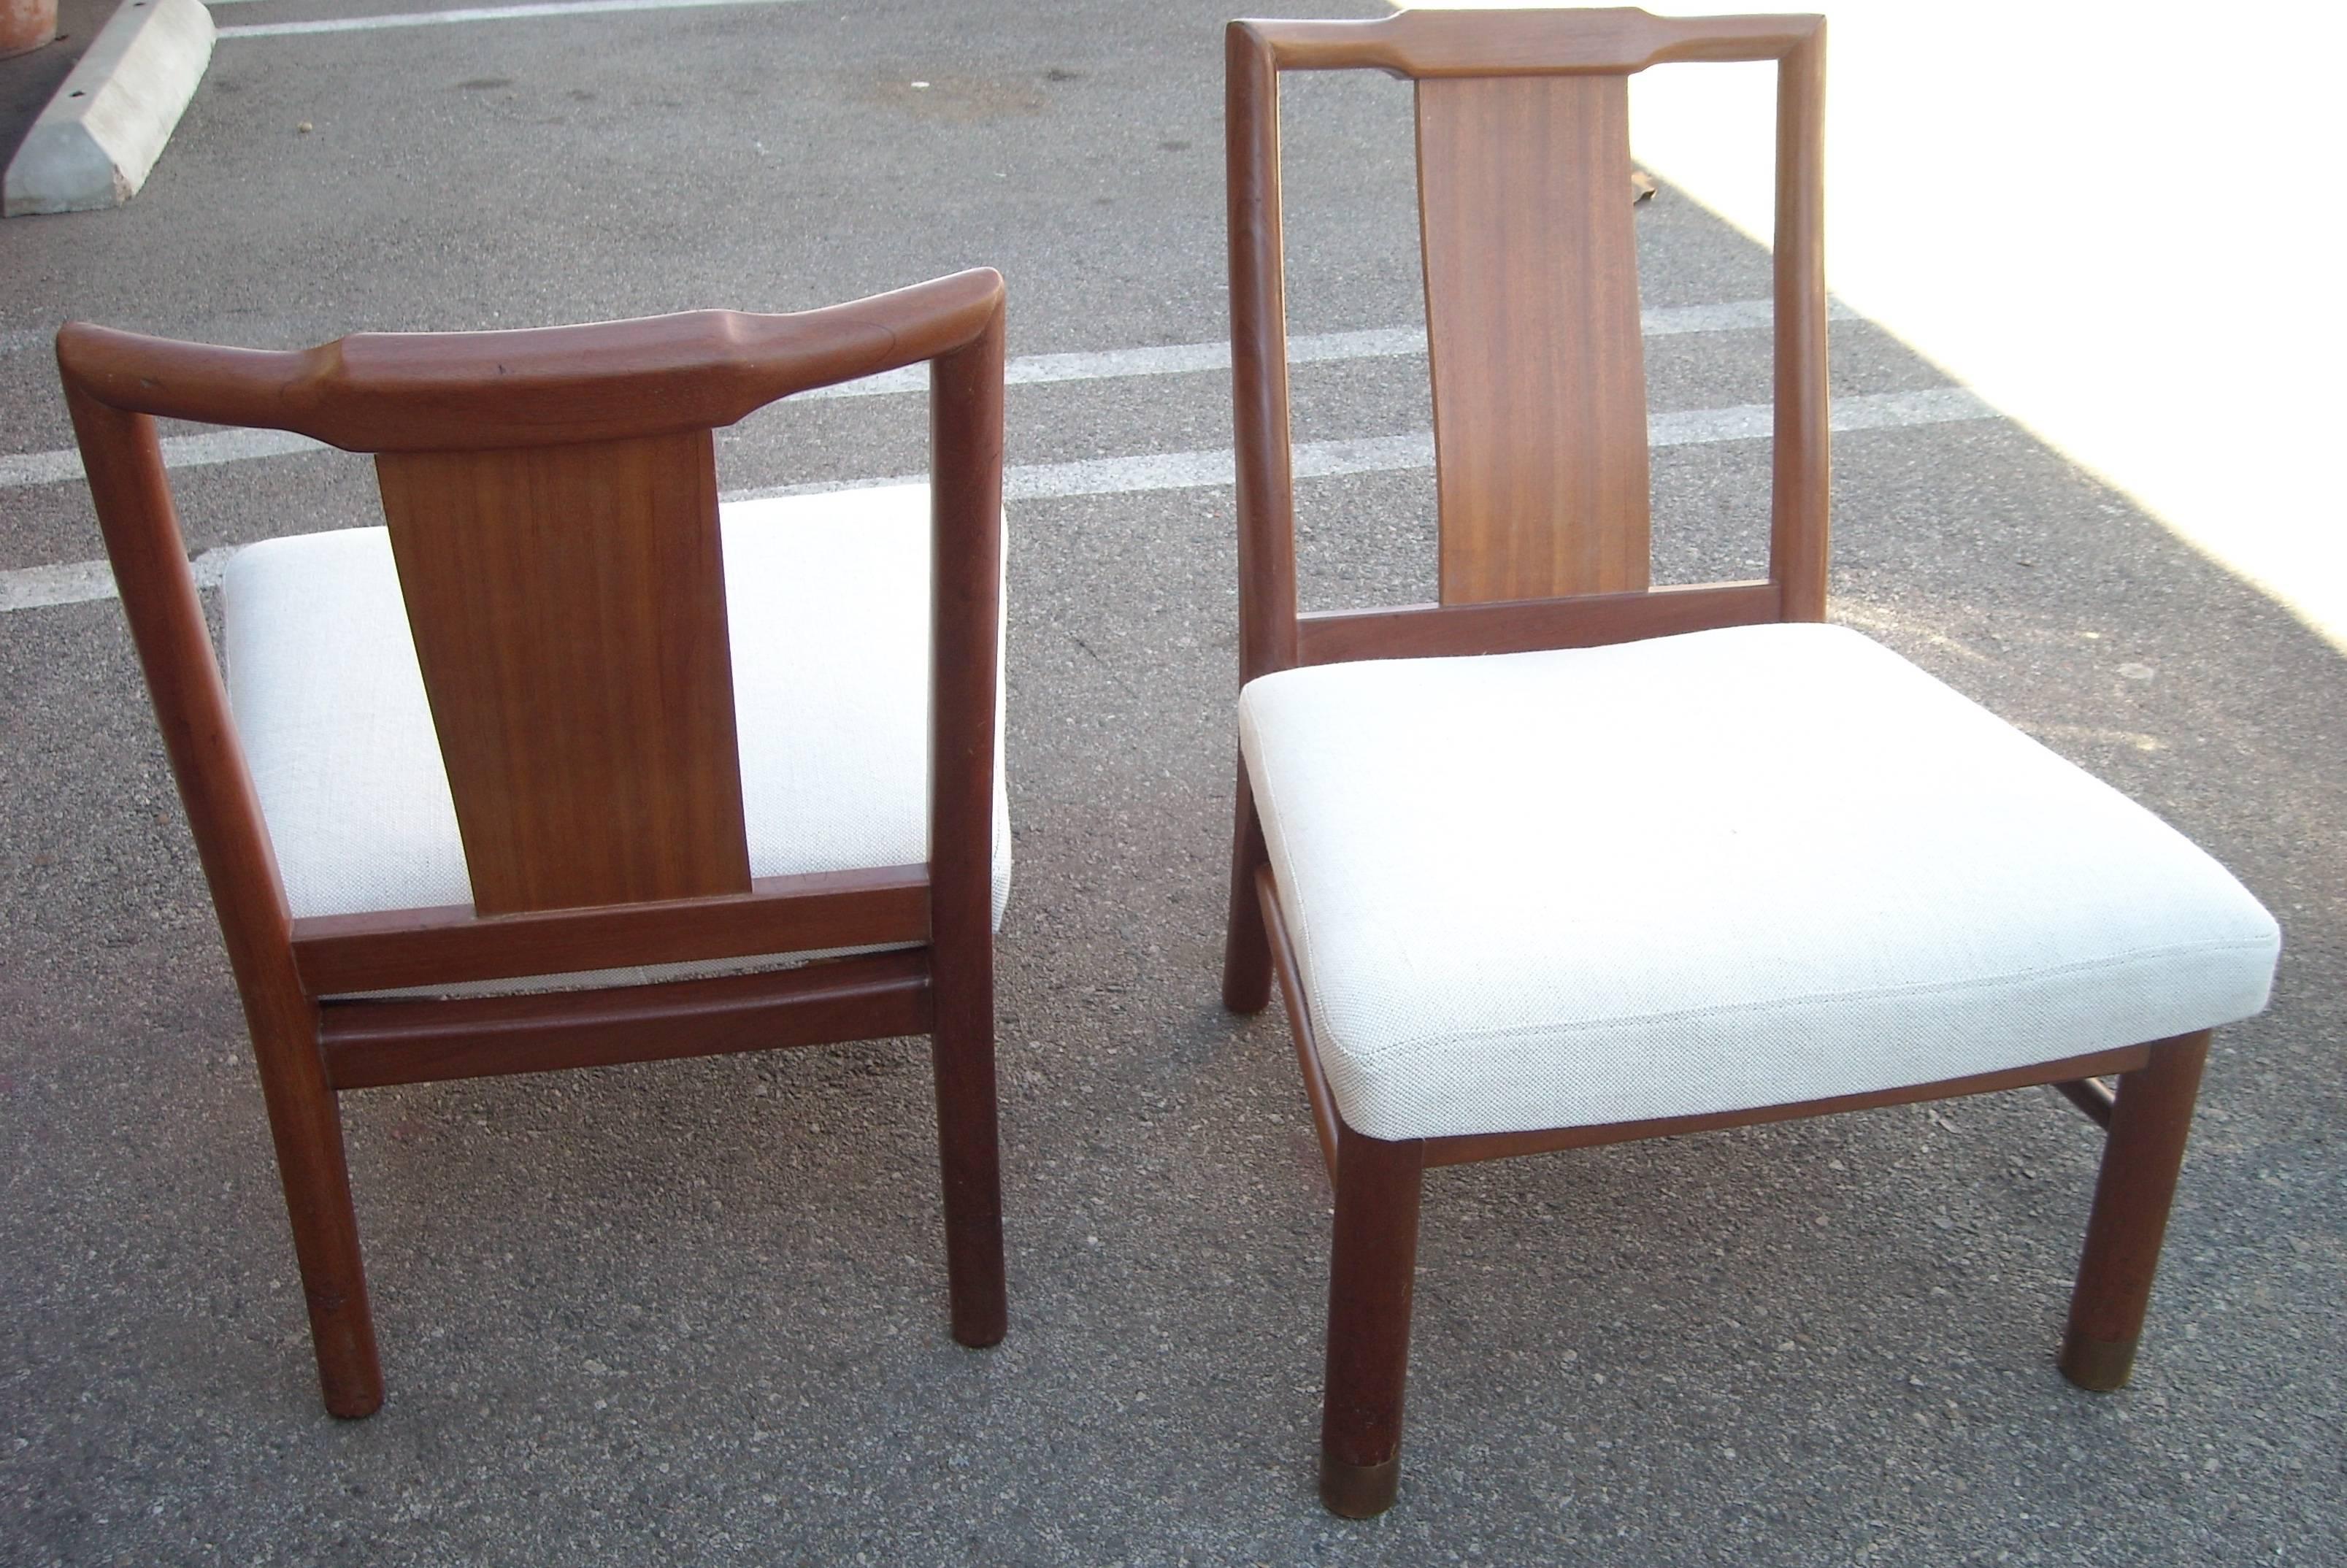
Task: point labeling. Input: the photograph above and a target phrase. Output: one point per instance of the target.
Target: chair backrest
(1532, 327)
(552, 498)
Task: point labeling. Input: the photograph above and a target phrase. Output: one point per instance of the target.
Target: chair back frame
(583, 454)
(1532, 331)
(551, 499)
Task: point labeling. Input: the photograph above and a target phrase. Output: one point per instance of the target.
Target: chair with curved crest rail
(571, 765)
(1567, 859)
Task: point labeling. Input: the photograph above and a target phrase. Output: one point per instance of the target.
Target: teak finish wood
(2150, 1116)
(965, 458)
(1533, 336)
(451, 945)
(1616, 41)
(1526, 626)
(133, 499)
(1469, 60)
(578, 457)
(569, 608)
(369, 1044)
(2093, 1100)
(1325, 1122)
(457, 392)
(1541, 475)
(1801, 469)
(1463, 1150)
(1372, 1278)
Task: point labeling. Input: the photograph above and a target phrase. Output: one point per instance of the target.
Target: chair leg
(2146, 1150)
(1372, 1267)
(961, 1047)
(306, 1124)
(1246, 950)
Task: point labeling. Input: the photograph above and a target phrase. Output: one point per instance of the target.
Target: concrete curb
(95, 143)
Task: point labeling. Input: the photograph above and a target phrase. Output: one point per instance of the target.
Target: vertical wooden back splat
(1531, 311)
(569, 606)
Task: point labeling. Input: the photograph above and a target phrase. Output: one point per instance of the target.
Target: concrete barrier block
(95, 143)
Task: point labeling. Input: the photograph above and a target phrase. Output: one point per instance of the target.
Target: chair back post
(1800, 502)
(1267, 483)
(158, 588)
(156, 585)
(1541, 467)
(966, 514)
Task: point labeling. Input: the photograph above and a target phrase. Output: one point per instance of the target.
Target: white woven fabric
(1708, 872)
(828, 602)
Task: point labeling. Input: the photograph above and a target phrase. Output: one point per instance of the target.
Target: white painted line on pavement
(34, 588)
(179, 452)
(1393, 454)
(1030, 370)
(77, 582)
(1318, 348)
(470, 14)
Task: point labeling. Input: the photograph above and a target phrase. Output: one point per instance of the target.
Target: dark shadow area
(29, 80)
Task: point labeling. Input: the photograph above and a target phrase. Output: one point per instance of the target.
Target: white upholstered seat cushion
(827, 605)
(1707, 873)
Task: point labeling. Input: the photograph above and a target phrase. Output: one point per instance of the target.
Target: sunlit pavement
(2120, 226)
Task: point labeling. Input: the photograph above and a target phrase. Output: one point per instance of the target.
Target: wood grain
(966, 526)
(1533, 334)
(1324, 1119)
(2091, 1099)
(158, 588)
(1438, 44)
(1435, 47)
(1246, 946)
(1372, 1278)
(2151, 1117)
(569, 607)
(1267, 483)
(440, 392)
(1266, 479)
(1506, 1145)
(452, 944)
(1524, 626)
(369, 1044)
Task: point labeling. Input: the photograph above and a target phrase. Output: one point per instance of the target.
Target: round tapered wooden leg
(2132, 1194)
(306, 1124)
(962, 1051)
(1246, 949)
(1358, 1491)
(1371, 1272)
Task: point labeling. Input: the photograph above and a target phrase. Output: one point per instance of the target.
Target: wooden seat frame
(1542, 495)
(552, 503)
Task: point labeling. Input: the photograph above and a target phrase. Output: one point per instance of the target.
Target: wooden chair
(500, 793)
(1659, 859)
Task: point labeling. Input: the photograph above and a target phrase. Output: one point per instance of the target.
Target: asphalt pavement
(694, 1312)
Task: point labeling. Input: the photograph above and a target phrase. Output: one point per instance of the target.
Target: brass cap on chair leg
(2097, 1365)
(1358, 1491)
